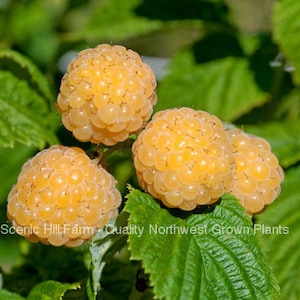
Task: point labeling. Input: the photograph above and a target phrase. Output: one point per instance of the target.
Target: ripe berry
(257, 175)
(107, 94)
(62, 197)
(183, 158)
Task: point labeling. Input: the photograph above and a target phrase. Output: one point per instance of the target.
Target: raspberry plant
(187, 179)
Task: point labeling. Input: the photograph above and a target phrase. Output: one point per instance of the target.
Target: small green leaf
(224, 87)
(105, 244)
(286, 32)
(204, 256)
(284, 138)
(51, 290)
(26, 70)
(7, 295)
(279, 230)
(24, 114)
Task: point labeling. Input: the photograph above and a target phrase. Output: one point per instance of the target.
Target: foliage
(247, 76)
(202, 256)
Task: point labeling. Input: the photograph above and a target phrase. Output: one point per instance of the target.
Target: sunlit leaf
(24, 114)
(24, 69)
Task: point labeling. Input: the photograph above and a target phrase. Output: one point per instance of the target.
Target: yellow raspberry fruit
(62, 197)
(183, 158)
(257, 174)
(107, 94)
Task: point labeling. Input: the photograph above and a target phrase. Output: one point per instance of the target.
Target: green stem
(104, 152)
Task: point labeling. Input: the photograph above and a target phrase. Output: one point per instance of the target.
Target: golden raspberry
(107, 94)
(183, 158)
(62, 197)
(257, 175)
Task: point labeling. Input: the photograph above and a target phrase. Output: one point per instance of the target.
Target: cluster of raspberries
(182, 157)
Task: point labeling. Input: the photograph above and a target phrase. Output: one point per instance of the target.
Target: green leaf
(286, 32)
(105, 244)
(224, 87)
(284, 138)
(204, 256)
(51, 290)
(279, 230)
(102, 23)
(7, 295)
(26, 70)
(25, 116)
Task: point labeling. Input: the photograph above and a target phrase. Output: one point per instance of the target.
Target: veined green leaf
(204, 256)
(279, 230)
(286, 32)
(284, 138)
(224, 87)
(24, 69)
(24, 114)
(51, 290)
